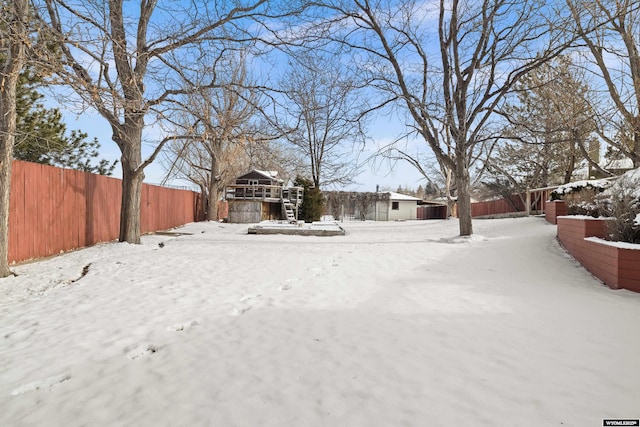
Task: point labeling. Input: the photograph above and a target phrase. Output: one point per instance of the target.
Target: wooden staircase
(288, 207)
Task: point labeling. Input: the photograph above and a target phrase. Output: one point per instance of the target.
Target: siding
(407, 210)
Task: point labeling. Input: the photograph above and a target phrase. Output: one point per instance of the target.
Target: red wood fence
(53, 209)
(496, 207)
(431, 212)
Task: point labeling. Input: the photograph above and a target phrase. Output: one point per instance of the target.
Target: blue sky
(382, 173)
(382, 130)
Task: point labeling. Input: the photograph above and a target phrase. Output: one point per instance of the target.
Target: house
(616, 167)
(378, 206)
(395, 207)
(261, 196)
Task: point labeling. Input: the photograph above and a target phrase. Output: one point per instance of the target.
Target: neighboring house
(378, 206)
(260, 196)
(616, 167)
(396, 207)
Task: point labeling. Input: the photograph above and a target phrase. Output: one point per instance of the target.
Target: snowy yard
(394, 324)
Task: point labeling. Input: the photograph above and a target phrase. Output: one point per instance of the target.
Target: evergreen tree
(42, 135)
(550, 132)
(312, 202)
(39, 130)
(80, 154)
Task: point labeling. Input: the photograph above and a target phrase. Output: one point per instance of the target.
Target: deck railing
(294, 195)
(264, 192)
(253, 192)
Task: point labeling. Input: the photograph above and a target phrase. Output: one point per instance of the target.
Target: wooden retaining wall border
(554, 209)
(618, 267)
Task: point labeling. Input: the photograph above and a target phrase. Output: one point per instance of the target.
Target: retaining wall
(618, 266)
(554, 209)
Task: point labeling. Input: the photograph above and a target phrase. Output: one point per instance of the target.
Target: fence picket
(54, 209)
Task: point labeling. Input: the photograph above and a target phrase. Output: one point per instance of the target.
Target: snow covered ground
(394, 324)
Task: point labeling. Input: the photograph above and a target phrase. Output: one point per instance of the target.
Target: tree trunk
(14, 60)
(636, 143)
(212, 212)
(132, 178)
(568, 173)
(7, 136)
(130, 209)
(447, 191)
(463, 180)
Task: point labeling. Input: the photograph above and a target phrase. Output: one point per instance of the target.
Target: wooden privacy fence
(431, 212)
(497, 207)
(536, 199)
(53, 209)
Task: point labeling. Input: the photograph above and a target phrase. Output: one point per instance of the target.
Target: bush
(583, 202)
(621, 202)
(595, 186)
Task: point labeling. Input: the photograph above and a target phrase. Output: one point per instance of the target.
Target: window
(395, 206)
(254, 182)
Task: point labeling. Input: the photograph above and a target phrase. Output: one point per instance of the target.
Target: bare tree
(192, 160)
(614, 47)
(13, 45)
(213, 128)
(324, 116)
(268, 154)
(127, 63)
(439, 175)
(449, 80)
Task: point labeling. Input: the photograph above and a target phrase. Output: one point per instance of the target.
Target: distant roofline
(398, 196)
(267, 174)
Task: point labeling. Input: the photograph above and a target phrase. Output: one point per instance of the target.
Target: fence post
(528, 202)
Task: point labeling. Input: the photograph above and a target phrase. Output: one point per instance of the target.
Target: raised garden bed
(616, 264)
(299, 228)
